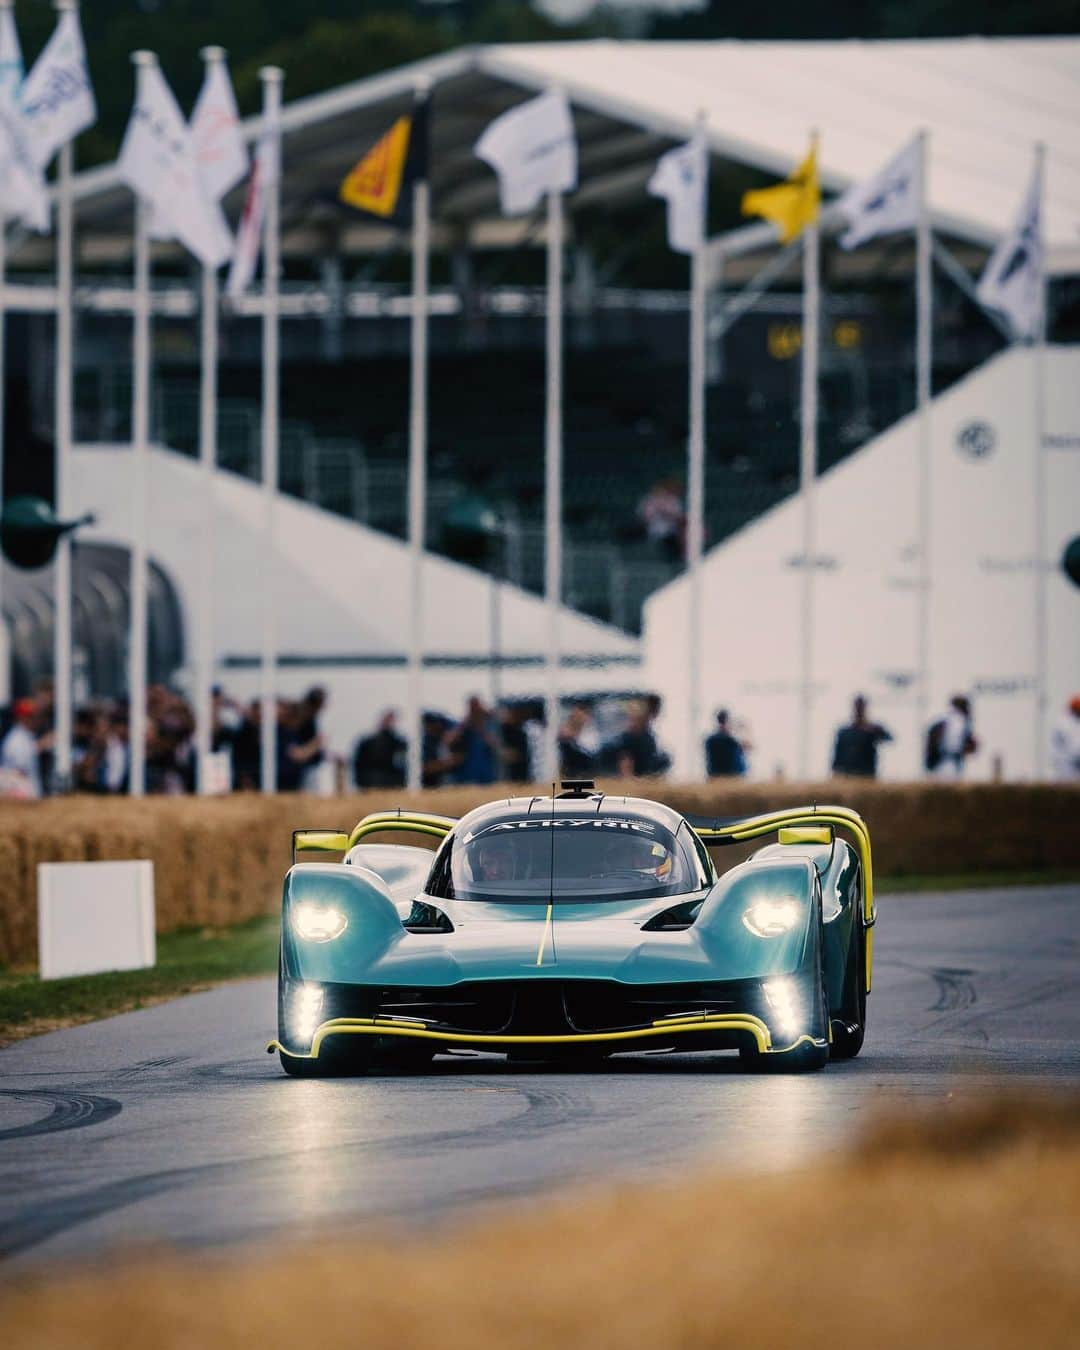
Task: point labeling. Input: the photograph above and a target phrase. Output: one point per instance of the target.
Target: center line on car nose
(544, 936)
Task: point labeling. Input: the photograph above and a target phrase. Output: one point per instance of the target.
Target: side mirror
(318, 841)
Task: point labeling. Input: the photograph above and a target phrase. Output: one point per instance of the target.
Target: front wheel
(849, 1024)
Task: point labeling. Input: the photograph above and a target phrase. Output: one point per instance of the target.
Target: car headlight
(318, 923)
(773, 918)
(786, 1005)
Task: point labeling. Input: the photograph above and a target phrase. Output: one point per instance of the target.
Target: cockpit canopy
(565, 858)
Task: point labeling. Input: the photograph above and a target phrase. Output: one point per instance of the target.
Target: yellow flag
(374, 183)
(791, 205)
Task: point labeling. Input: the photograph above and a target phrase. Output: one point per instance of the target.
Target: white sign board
(95, 916)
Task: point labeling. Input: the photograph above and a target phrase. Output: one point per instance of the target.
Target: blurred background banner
(480, 431)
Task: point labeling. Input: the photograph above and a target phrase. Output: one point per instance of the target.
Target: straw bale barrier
(219, 861)
(954, 1228)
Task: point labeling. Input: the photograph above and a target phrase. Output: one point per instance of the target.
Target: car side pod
(335, 921)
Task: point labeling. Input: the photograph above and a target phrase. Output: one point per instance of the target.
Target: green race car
(575, 927)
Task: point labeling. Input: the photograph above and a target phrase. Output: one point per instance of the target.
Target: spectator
(310, 744)
(380, 759)
(856, 750)
(725, 754)
(473, 746)
(577, 748)
(516, 762)
(951, 739)
(1065, 743)
(435, 762)
(664, 518)
(247, 748)
(115, 752)
(19, 752)
(636, 752)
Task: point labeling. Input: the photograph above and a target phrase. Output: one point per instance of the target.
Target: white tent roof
(985, 102)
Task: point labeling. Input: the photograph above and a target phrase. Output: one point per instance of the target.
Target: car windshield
(565, 859)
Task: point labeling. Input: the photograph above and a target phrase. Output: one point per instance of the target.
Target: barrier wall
(220, 861)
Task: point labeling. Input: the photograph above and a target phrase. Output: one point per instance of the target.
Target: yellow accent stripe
(544, 937)
(366, 1026)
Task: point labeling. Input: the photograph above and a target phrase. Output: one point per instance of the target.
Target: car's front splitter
(720, 1026)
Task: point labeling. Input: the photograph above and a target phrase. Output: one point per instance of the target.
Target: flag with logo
(378, 182)
(57, 98)
(792, 204)
(533, 150)
(1012, 281)
(22, 183)
(264, 173)
(220, 152)
(157, 161)
(884, 204)
(681, 178)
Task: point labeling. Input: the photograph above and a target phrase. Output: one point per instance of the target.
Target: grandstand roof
(985, 102)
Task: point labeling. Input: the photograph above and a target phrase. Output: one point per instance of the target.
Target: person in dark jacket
(856, 750)
(379, 759)
(724, 753)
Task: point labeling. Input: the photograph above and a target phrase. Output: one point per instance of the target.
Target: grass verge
(975, 881)
(960, 1228)
(187, 961)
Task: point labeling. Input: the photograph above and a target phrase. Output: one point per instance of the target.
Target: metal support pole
(924, 301)
(140, 449)
(553, 454)
(62, 691)
(695, 504)
(1038, 361)
(204, 618)
(418, 395)
(5, 644)
(271, 77)
(807, 482)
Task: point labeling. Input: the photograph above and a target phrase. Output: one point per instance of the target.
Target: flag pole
(553, 452)
(62, 692)
(140, 443)
(695, 480)
(208, 394)
(418, 396)
(271, 77)
(5, 645)
(924, 301)
(808, 475)
(1038, 356)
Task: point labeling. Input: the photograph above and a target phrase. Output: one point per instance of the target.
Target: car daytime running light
(783, 996)
(306, 1005)
(772, 918)
(318, 923)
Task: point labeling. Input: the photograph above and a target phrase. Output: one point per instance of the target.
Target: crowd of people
(484, 746)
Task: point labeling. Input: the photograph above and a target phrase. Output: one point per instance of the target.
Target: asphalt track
(172, 1124)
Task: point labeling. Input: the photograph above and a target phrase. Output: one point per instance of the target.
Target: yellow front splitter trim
(366, 1026)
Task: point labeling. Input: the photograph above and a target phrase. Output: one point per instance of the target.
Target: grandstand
(345, 301)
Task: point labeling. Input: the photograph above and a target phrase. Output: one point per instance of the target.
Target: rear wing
(333, 841)
(716, 833)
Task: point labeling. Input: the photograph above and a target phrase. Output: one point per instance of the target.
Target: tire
(849, 1026)
(334, 1061)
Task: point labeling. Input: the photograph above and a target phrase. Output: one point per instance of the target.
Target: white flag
(157, 161)
(11, 62)
(1012, 281)
(682, 179)
(219, 148)
(22, 184)
(57, 100)
(215, 129)
(884, 204)
(533, 150)
(249, 234)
